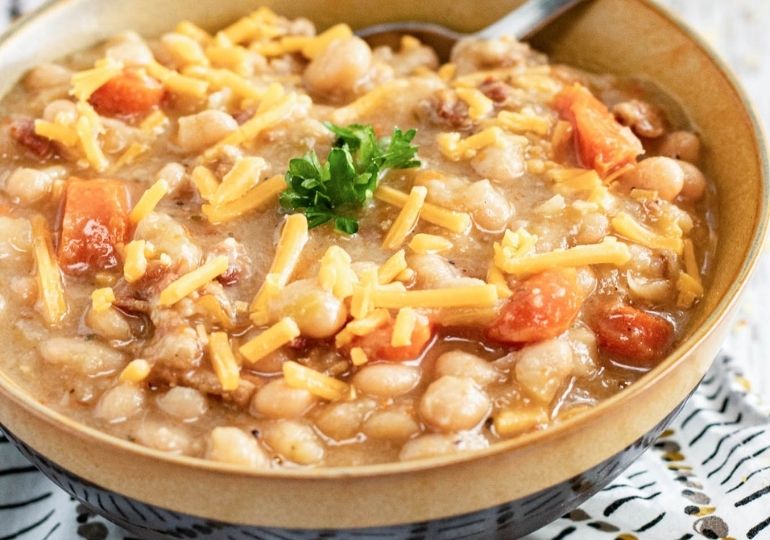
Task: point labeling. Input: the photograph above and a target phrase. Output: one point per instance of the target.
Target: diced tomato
(94, 223)
(377, 345)
(602, 143)
(632, 335)
(23, 132)
(128, 94)
(541, 307)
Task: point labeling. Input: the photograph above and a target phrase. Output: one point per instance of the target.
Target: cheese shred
(192, 281)
(49, 281)
(458, 222)
(223, 361)
(270, 340)
(302, 377)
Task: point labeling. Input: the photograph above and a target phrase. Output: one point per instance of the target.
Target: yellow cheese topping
(361, 303)
(135, 264)
(479, 105)
(49, 282)
(447, 71)
(511, 422)
(391, 268)
(454, 147)
(319, 43)
(223, 78)
(336, 274)
(358, 356)
(148, 201)
(154, 123)
(495, 277)
(459, 222)
(270, 340)
(362, 327)
(84, 83)
(689, 282)
(194, 31)
(134, 150)
(299, 376)
(211, 306)
(609, 251)
(470, 296)
(406, 320)
(88, 128)
(627, 226)
(184, 49)
(264, 193)
(204, 181)
(429, 243)
(407, 218)
(223, 361)
(102, 299)
(243, 176)
(258, 312)
(522, 123)
(176, 82)
(136, 371)
(63, 134)
(193, 280)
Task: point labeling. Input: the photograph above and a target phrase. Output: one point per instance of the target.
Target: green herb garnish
(355, 164)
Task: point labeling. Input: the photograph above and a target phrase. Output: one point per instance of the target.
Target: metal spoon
(521, 23)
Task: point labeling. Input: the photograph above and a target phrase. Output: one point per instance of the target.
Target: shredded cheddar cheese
(358, 356)
(361, 327)
(88, 128)
(406, 320)
(335, 274)
(176, 82)
(258, 310)
(49, 282)
(136, 371)
(511, 422)
(211, 306)
(154, 123)
(270, 340)
(361, 303)
(627, 226)
(495, 277)
(190, 29)
(479, 105)
(406, 219)
(429, 243)
(609, 251)
(264, 193)
(319, 44)
(193, 280)
(133, 151)
(689, 283)
(84, 83)
(102, 299)
(243, 176)
(521, 123)
(184, 49)
(470, 296)
(293, 238)
(458, 222)
(299, 376)
(63, 134)
(204, 181)
(135, 264)
(222, 78)
(391, 268)
(223, 361)
(148, 201)
(447, 71)
(455, 148)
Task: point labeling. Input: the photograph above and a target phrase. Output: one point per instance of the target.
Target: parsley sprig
(334, 190)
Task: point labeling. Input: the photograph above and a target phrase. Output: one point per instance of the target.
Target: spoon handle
(523, 21)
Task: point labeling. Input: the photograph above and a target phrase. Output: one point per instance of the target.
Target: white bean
(434, 272)
(86, 357)
(340, 68)
(60, 109)
(232, 445)
(170, 438)
(464, 364)
(454, 403)
(295, 441)
(28, 186)
(201, 130)
(386, 380)
(343, 420)
(681, 145)
(45, 76)
(170, 237)
(186, 404)
(108, 324)
(317, 312)
(177, 348)
(542, 369)
(173, 174)
(120, 403)
(502, 162)
(15, 238)
(279, 400)
(585, 355)
(489, 208)
(694, 182)
(434, 444)
(132, 52)
(392, 425)
(660, 174)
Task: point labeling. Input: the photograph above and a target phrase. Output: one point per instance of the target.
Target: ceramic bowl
(507, 490)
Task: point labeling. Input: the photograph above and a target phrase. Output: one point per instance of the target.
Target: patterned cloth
(706, 477)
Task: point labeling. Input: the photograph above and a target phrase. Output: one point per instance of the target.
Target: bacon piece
(128, 94)
(632, 335)
(23, 132)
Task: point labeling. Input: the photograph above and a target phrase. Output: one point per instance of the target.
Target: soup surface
(276, 248)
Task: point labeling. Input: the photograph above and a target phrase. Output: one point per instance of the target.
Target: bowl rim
(9, 389)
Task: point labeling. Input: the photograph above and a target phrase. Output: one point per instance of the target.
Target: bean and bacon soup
(275, 248)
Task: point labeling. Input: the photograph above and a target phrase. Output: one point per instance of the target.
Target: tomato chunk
(632, 335)
(377, 345)
(602, 143)
(95, 221)
(128, 94)
(541, 307)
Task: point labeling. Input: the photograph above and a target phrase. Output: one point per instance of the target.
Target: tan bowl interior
(619, 36)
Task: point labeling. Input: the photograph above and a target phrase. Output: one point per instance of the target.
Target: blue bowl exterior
(510, 520)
